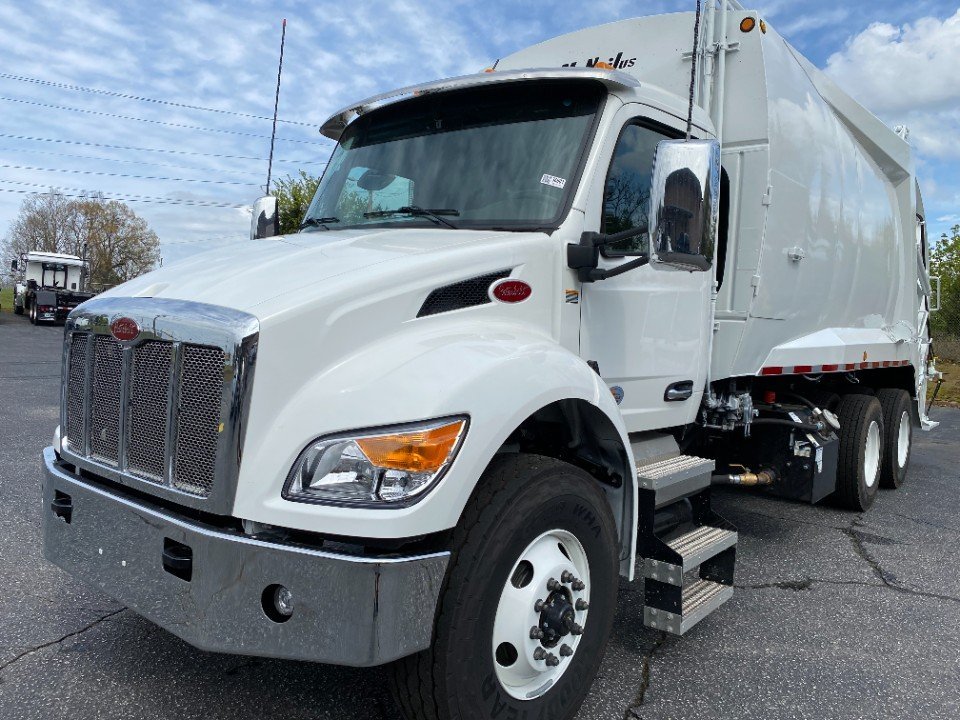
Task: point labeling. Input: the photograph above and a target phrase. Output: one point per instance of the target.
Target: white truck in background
(532, 325)
(50, 285)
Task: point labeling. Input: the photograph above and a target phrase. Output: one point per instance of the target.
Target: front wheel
(528, 602)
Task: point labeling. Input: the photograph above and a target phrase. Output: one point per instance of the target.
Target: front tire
(532, 520)
(33, 314)
(861, 451)
(898, 443)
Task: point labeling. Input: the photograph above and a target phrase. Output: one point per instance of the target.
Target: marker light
(748, 24)
(376, 468)
(763, 27)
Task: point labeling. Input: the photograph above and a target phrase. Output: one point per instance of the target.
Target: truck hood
(251, 275)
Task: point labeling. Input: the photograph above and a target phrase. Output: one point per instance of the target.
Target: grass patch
(950, 392)
(6, 299)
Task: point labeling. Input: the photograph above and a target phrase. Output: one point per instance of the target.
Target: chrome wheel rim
(903, 440)
(871, 455)
(541, 615)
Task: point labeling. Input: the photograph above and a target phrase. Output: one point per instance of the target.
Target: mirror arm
(597, 274)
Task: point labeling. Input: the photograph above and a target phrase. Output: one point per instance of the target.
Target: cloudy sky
(167, 104)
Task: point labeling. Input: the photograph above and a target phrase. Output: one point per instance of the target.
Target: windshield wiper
(319, 222)
(416, 211)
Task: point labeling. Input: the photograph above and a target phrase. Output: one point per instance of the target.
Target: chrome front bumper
(348, 610)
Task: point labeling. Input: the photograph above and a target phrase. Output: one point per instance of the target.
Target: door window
(627, 188)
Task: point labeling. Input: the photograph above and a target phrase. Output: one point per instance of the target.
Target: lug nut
(575, 629)
(566, 651)
(539, 654)
(552, 584)
(536, 633)
(578, 585)
(567, 577)
(538, 606)
(582, 604)
(552, 660)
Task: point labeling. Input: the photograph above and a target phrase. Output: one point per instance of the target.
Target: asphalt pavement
(836, 615)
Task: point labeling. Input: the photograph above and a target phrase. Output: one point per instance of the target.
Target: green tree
(293, 198)
(945, 324)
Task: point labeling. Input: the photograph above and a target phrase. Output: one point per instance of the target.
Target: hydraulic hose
(746, 478)
(790, 424)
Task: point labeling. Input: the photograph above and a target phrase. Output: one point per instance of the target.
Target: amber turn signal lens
(417, 451)
(747, 24)
(763, 27)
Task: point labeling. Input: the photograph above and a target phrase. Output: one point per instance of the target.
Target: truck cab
(536, 314)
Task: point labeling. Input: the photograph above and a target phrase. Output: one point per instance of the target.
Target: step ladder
(687, 575)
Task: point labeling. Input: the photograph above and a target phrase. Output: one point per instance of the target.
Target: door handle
(679, 391)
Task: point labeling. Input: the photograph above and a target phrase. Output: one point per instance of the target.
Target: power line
(156, 150)
(87, 194)
(32, 151)
(125, 175)
(179, 126)
(110, 93)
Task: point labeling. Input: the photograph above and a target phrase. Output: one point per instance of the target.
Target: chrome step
(695, 548)
(700, 598)
(675, 478)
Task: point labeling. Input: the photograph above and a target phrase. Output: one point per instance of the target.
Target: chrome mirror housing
(265, 221)
(685, 203)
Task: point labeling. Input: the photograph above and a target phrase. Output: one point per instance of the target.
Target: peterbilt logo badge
(124, 329)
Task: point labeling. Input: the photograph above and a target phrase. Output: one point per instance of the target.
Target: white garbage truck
(533, 316)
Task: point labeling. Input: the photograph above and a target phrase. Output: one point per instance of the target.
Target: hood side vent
(460, 295)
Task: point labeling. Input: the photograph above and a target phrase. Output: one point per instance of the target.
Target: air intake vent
(459, 295)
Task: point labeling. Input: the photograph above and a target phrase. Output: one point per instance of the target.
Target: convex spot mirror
(685, 203)
(263, 224)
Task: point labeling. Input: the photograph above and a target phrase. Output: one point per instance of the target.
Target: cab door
(648, 330)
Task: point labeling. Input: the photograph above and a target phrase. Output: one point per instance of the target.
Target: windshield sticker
(553, 181)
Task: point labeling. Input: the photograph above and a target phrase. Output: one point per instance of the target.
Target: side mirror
(264, 222)
(13, 265)
(685, 203)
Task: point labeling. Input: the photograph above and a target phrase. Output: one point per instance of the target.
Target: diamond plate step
(695, 547)
(700, 598)
(675, 478)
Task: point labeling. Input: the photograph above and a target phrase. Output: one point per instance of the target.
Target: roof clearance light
(748, 24)
(763, 26)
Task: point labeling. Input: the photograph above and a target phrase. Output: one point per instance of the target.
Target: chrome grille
(76, 382)
(147, 414)
(105, 400)
(198, 418)
(164, 412)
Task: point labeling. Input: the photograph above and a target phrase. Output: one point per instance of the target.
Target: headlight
(376, 467)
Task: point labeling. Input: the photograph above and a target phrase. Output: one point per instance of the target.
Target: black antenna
(276, 105)
(693, 69)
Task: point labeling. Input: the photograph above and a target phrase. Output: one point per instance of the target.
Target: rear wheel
(861, 450)
(33, 314)
(528, 601)
(898, 422)
(17, 309)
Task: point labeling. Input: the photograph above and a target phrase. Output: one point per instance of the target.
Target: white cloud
(902, 69)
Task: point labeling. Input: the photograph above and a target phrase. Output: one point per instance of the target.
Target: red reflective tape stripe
(850, 366)
(831, 368)
(803, 369)
(772, 371)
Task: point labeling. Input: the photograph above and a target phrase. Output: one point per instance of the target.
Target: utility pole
(276, 105)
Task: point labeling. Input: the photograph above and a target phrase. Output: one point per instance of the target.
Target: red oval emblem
(124, 329)
(511, 291)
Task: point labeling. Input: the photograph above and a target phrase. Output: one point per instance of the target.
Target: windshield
(503, 156)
